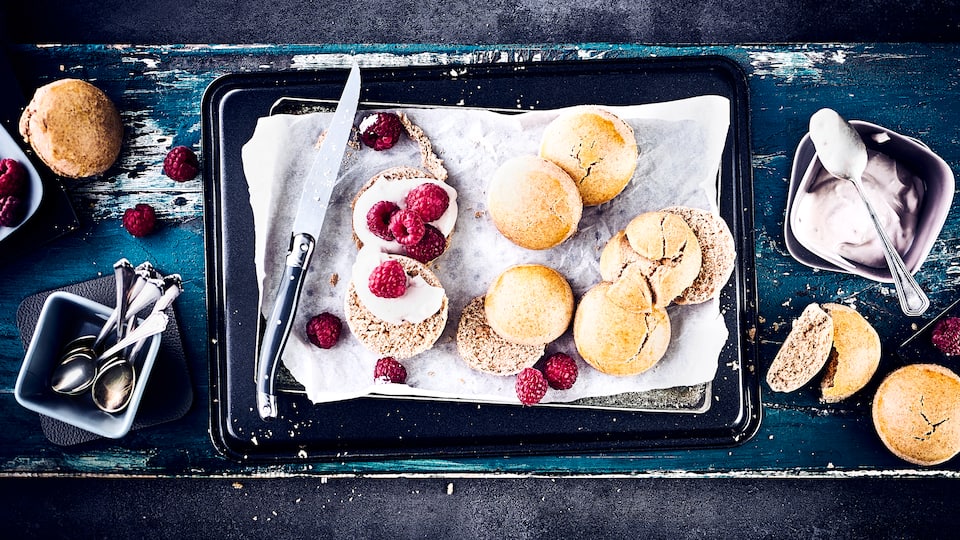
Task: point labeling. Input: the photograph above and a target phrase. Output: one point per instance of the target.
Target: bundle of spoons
(109, 374)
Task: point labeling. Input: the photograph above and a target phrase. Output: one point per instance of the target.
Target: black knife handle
(280, 320)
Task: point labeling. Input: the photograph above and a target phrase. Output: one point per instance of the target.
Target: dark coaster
(169, 392)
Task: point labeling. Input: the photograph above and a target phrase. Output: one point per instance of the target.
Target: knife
(306, 227)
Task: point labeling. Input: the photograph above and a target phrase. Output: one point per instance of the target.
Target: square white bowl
(66, 316)
(939, 184)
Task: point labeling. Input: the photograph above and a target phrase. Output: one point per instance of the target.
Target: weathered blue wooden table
(909, 88)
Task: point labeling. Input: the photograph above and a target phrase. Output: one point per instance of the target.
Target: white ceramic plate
(10, 149)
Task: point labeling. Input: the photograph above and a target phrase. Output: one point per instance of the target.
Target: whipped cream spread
(418, 303)
(831, 218)
(396, 191)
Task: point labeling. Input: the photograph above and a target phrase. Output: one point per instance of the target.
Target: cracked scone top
(617, 341)
(916, 413)
(651, 262)
(534, 203)
(596, 148)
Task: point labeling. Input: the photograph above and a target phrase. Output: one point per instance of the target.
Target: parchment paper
(680, 143)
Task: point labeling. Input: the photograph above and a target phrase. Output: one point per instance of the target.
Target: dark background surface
(413, 507)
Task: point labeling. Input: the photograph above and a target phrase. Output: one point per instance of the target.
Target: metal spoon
(113, 385)
(843, 154)
(77, 369)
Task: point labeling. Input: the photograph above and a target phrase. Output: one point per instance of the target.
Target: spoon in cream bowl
(842, 153)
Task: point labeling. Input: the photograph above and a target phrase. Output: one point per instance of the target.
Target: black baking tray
(377, 428)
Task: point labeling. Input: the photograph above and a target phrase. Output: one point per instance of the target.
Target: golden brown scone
(398, 340)
(530, 304)
(485, 350)
(804, 352)
(651, 262)
(718, 249)
(855, 355)
(534, 203)
(596, 148)
(916, 413)
(74, 128)
(616, 341)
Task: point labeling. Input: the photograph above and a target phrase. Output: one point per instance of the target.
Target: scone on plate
(533, 202)
(73, 127)
(617, 341)
(405, 211)
(395, 306)
(529, 304)
(651, 262)
(596, 148)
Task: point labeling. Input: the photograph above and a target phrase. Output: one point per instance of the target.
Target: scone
(651, 262)
(400, 327)
(804, 352)
(616, 341)
(718, 250)
(855, 355)
(534, 203)
(73, 127)
(398, 187)
(596, 148)
(916, 413)
(529, 304)
(485, 350)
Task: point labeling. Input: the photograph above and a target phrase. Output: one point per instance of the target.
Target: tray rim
(744, 275)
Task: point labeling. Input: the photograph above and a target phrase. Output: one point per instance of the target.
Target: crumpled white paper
(681, 144)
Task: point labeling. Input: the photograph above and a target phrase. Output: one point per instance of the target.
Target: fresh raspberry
(381, 131)
(140, 220)
(407, 227)
(323, 330)
(388, 370)
(560, 371)
(378, 219)
(13, 178)
(946, 336)
(181, 164)
(531, 386)
(11, 210)
(428, 200)
(388, 280)
(431, 246)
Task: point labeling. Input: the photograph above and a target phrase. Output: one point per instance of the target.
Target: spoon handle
(913, 300)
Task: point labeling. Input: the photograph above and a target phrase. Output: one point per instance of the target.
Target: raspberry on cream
(418, 302)
(396, 191)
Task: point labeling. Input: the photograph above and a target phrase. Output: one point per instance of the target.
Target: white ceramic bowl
(939, 185)
(10, 149)
(66, 316)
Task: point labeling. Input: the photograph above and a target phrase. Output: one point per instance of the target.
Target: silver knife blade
(307, 223)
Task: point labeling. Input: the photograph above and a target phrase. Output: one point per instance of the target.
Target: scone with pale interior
(533, 202)
(596, 148)
(804, 352)
(485, 350)
(651, 262)
(73, 127)
(916, 413)
(529, 304)
(718, 250)
(617, 341)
